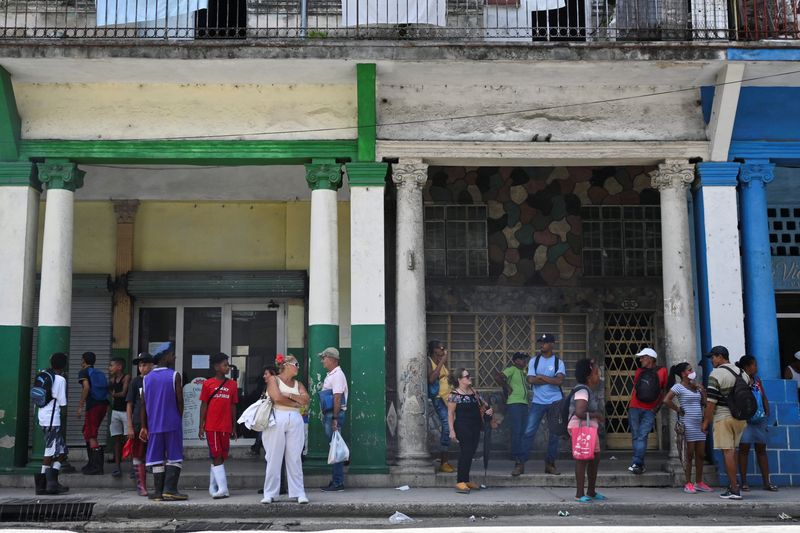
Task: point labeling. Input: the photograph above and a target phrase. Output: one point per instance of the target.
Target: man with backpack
(730, 404)
(648, 388)
(92, 408)
(49, 394)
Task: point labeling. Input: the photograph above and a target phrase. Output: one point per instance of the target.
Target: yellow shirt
(444, 384)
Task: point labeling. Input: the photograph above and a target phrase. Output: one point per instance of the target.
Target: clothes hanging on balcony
(372, 12)
(172, 13)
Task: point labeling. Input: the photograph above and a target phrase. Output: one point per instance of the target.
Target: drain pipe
(303, 17)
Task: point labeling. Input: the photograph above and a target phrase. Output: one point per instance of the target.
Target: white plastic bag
(339, 452)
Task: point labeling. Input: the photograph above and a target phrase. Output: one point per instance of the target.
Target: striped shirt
(720, 385)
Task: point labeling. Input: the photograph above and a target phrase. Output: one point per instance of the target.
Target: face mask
(692, 375)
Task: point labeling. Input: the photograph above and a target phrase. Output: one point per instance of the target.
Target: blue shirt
(546, 394)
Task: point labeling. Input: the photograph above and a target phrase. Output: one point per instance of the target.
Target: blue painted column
(761, 325)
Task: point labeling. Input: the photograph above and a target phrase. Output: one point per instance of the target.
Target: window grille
(455, 241)
(784, 230)
(484, 343)
(621, 241)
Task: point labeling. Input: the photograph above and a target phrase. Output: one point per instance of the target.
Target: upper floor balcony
(401, 20)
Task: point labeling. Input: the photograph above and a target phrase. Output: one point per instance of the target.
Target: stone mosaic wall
(534, 222)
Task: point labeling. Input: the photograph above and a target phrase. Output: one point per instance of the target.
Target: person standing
(792, 371)
(546, 373)
(513, 379)
(648, 389)
(755, 433)
(438, 392)
(464, 420)
(162, 425)
(284, 441)
(49, 416)
(144, 363)
(92, 408)
(118, 385)
(584, 405)
(691, 399)
(727, 430)
(333, 419)
(218, 396)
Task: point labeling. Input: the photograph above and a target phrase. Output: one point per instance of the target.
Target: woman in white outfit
(284, 440)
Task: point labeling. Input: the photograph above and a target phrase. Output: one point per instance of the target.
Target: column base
(413, 465)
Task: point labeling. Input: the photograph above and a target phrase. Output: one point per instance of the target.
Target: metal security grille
(456, 244)
(625, 334)
(62, 510)
(484, 343)
(784, 230)
(621, 241)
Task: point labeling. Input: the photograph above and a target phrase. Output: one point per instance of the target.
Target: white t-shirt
(59, 393)
(336, 381)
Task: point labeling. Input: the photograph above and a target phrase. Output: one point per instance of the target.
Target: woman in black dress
(464, 406)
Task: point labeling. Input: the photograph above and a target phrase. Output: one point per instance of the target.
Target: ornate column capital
(717, 174)
(758, 170)
(60, 174)
(325, 174)
(126, 211)
(410, 173)
(19, 174)
(366, 174)
(672, 174)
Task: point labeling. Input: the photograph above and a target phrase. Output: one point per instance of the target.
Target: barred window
(621, 241)
(784, 230)
(455, 241)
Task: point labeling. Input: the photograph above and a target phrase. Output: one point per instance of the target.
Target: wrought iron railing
(472, 20)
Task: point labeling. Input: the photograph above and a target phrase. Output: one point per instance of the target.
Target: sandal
(745, 488)
(584, 499)
(771, 488)
(597, 496)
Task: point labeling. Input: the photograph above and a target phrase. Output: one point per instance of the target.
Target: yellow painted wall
(95, 241)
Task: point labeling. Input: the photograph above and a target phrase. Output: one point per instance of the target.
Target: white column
(55, 303)
(410, 176)
(672, 180)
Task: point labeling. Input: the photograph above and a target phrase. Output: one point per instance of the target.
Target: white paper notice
(191, 408)
(202, 362)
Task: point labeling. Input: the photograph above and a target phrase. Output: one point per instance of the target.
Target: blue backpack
(98, 385)
(42, 390)
(760, 413)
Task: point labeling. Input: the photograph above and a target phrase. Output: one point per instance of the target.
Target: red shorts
(138, 448)
(219, 444)
(93, 420)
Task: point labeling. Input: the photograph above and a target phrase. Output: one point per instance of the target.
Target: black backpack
(562, 416)
(740, 400)
(648, 386)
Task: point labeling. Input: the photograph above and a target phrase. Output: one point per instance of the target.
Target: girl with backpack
(755, 433)
(691, 398)
(584, 403)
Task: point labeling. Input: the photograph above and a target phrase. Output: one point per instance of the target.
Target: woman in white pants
(284, 440)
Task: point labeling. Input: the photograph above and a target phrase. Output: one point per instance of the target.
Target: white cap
(797, 355)
(649, 352)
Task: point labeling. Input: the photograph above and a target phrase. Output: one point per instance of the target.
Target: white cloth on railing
(179, 13)
(372, 12)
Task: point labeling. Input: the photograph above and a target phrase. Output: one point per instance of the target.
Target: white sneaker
(302, 499)
(266, 499)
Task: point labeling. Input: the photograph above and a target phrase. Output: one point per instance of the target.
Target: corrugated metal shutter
(230, 284)
(90, 332)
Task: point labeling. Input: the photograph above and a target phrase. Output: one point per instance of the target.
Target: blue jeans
(441, 411)
(338, 468)
(517, 416)
(535, 415)
(641, 423)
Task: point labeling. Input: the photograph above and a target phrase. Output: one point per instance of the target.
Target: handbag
(760, 414)
(326, 401)
(262, 419)
(584, 441)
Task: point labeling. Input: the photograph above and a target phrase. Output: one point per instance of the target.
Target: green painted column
(62, 179)
(325, 178)
(367, 411)
(19, 221)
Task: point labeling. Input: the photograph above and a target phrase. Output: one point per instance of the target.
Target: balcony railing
(464, 20)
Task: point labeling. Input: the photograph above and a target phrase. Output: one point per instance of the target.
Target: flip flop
(745, 488)
(599, 497)
(584, 499)
(771, 488)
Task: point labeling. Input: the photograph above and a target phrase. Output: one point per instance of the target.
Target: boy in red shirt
(219, 397)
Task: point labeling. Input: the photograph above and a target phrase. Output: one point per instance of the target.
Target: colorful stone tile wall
(534, 213)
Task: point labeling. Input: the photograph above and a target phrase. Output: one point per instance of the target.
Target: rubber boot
(88, 464)
(213, 488)
(95, 466)
(158, 486)
(218, 472)
(171, 477)
(51, 475)
(61, 488)
(140, 471)
(40, 481)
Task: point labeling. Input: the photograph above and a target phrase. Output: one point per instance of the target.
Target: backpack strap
(224, 381)
(53, 399)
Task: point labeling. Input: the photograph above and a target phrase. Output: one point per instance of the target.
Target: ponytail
(745, 361)
(677, 370)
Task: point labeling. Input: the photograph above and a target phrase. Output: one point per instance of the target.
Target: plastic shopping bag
(339, 452)
(584, 441)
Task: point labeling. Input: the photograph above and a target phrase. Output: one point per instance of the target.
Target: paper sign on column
(201, 362)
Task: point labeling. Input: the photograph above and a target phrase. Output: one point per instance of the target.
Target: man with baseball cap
(648, 389)
(336, 382)
(546, 374)
(792, 371)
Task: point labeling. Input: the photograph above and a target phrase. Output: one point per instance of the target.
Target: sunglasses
(296, 365)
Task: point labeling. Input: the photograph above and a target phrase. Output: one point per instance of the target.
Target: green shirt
(517, 381)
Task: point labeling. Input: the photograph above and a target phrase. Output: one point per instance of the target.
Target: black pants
(468, 434)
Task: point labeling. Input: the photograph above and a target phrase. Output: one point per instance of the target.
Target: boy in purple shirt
(162, 425)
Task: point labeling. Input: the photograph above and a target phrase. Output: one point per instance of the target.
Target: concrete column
(761, 326)
(412, 454)
(325, 178)
(672, 180)
(368, 316)
(62, 179)
(718, 265)
(19, 222)
(121, 323)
